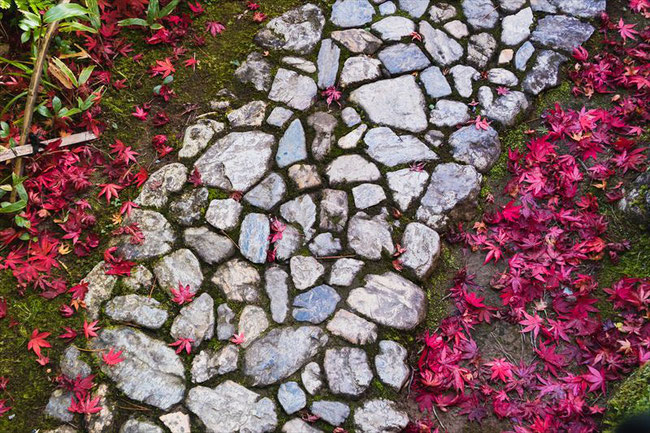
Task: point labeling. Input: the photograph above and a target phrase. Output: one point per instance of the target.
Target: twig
(435, 413)
(344, 256)
(87, 350)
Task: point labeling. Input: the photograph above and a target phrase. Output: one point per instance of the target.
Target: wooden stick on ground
(20, 151)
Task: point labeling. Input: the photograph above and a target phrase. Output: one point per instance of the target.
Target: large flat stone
(298, 30)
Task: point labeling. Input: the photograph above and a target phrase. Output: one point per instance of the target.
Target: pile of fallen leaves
(549, 236)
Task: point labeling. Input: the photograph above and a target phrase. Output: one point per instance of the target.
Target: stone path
(320, 189)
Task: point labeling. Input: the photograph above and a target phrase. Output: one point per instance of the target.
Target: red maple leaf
(38, 340)
(532, 323)
(140, 113)
(626, 30)
(183, 295)
(110, 191)
(183, 344)
(86, 405)
(79, 291)
(69, 334)
(112, 357)
(238, 338)
(214, 27)
(501, 369)
(90, 329)
(163, 67)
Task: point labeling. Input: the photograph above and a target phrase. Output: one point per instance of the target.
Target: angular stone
(400, 58)
(282, 352)
(279, 116)
(406, 185)
(449, 113)
(350, 140)
(297, 425)
(344, 271)
(198, 136)
(328, 63)
(315, 305)
(636, 199)
(350, 117)
(480, 49)
(277, 289)
(334, 210)
(298, 30)
(293, 89)
(389, 300)
(367, 195)
(254, 237)
(256, 70)
(351, 13)
(524, 53)
(325, 245)
(71, 365)
(352, 328)
(211, 247)
(302, 211)
(351, 169)
(150, 373)
(406, 112)
(238, 280)
(379, 416)
(391, 365)
(422, 249)
(544, 73)
(195, 321)
(332, 412)
(442, 48)
(502, 77)
(156, 190)
(581, 8)
(478, 147)
(369, 236)
(292, 146)
(140, 426)
(387, 8)
(511, 5)
(268, 192)
(386, 147)
(516, 28)
(561, 32)
(141, 277)
(176, 422)
(232, 408)
(179, 267)
(324, 125)
(291, 397)
(141, 310)
(209, 363)
(347, 370)
(100, 287)
(357, 40)
(187, 210)
(463, 77)
(237, 161)
(311, 378)
(457, 29)
(360, 69)
(225, 317)
(252, 323)
(434, 138)
(435, 82)
(57, 406)
(305, 271)
(415, 8)
(394, 28)
(251, 114)
(481, 14)
(300, 63)
(305, 176)
(452, 193)
(291, 242)
(157, 232)
(506, 108)
(223, 214)
(440, 12)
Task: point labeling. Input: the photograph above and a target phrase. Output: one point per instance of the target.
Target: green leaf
(133, 22)
(22, 222)
(169, 8)
(61, 12)
(152, 11)
(56, 104)
(76, 27)
(6, 207)
(68, 73)
(85, 74)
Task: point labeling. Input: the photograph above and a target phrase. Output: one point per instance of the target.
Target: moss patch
(632, 398)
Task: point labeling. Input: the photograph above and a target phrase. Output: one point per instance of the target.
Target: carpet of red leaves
(546, 235)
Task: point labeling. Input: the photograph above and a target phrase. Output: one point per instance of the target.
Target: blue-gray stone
(400, 58)
(352, 13)
(332, 412)
(415, 8)
(524, 53)
(316, 305)
(561, 32)
(292, 147)
(328, 63)
(387, 8)
(435, 82)
(254, 237)
(291, 397)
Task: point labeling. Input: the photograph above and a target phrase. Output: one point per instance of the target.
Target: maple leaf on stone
(481, 123)
(163, 67)
(90, 329)
(214, 28)
(182, 295)
(79, 291)
(183, 344)
(112, 357)
(195, 178)
(37, 341)
(127, 207)
(238, 338)
(86, 405)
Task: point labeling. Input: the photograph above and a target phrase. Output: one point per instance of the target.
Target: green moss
(632, 397)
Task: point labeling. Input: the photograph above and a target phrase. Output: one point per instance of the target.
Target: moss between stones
(632, 398)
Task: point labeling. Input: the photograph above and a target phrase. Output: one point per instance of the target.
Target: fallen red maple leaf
(37, 341)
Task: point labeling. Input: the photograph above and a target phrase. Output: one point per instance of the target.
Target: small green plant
(154, 14)
(7, 207)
